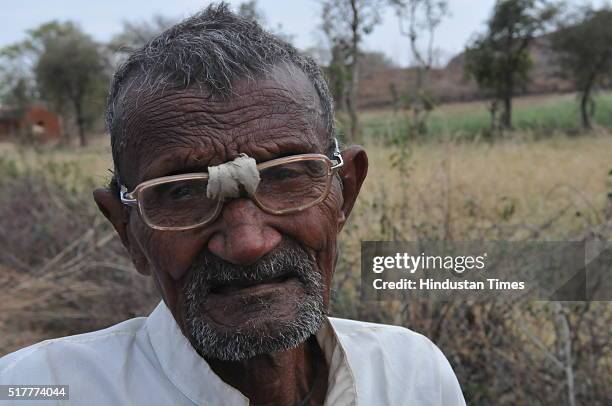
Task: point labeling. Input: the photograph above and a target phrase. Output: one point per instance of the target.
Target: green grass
(539, 116)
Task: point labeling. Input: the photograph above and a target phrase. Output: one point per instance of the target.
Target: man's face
(249, 282)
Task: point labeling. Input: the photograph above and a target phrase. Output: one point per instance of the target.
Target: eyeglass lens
(283, 187)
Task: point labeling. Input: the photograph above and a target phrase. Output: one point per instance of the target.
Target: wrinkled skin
(186, 131)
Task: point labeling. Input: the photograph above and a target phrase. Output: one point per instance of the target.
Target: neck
(279, 378)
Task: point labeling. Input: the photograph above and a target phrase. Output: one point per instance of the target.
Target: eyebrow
(167, 165)
(173, 166)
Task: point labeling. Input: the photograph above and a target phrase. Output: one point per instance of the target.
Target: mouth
(251, 286)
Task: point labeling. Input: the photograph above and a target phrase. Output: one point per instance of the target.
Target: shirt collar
(192, 375)
(341, 389)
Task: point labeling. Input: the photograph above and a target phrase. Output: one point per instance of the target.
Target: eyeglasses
(287, 185)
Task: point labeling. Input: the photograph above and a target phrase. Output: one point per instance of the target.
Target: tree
(250, 10)
(584, 49)
(373, 61)
(70, 71)
(337, 73)
(16, 82)
(345, 23)
(484, 64)
(499, 59)
(418, 20)
(61, 65)
(136, 34)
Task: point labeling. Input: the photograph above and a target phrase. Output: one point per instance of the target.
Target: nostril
(244, 244)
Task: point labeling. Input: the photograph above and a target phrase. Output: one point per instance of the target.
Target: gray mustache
(287, 259)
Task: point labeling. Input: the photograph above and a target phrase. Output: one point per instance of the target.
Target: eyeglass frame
(130, 199)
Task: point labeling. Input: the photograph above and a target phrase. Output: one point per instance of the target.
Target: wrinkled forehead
(179, 131)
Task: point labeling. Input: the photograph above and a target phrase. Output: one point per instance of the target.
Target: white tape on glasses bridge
(225, 179)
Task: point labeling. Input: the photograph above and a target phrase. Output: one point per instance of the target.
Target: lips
(250, 286)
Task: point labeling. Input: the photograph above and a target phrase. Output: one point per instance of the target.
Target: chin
(246, 325)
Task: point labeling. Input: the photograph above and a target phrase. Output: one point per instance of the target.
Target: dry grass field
(63, 272)
(532, 179)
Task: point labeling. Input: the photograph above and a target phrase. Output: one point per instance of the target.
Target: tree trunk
(80, 123)
(417, 103)
(585, 103)
(354, 68)
(564, 339)
(82, 137)
(508, 93)
(494, 125)
(506, 118)
(351, 104)
(65, 132)
(337, 75)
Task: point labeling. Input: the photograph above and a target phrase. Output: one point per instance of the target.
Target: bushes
(62, 271)
(504, 353)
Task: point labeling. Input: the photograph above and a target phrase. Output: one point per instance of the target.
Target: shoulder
(58, 358)
(384, 334)
(408, 358)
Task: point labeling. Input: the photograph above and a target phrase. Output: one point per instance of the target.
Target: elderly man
(230, 191)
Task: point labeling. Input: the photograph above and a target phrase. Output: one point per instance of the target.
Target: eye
(178, 192)
(285, 174)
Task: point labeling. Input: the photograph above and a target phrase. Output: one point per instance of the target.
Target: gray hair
(212, 49)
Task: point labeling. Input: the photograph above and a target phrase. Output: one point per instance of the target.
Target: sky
(299, 18)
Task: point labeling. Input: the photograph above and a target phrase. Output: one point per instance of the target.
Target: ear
(353, 173)
(115, 212)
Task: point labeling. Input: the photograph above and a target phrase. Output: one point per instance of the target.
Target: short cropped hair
(211, 49)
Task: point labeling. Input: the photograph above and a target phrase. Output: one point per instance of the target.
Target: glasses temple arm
(126, 198)
(337, 155)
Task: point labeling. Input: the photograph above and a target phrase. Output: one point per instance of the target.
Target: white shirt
(148, 361)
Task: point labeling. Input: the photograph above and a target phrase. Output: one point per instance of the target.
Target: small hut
(35, 122)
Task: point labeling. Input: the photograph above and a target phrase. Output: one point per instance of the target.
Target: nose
(243, 236)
